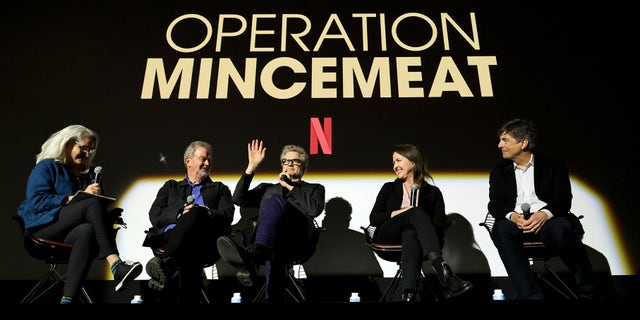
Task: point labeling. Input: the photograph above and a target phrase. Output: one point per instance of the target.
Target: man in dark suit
(285, 229)
(525, 177)
(187, 218)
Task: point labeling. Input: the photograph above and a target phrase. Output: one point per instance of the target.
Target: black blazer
(306, 198)
(173, 195)
(551, 180)
(390, 198)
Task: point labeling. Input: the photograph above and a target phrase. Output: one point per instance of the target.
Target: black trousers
(290, 235)
(192, 246)
(418, 236)
(87, 225)
(559, 235)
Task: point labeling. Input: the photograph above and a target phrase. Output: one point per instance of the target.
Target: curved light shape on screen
(465, 194)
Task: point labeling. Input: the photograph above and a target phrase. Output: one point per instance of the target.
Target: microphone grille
(97, 169)
(190, 199)
(525, 207)
(414, 187)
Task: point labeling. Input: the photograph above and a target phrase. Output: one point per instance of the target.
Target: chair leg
(294, 290)
(567, 291)
(392, 287)
(260, 296)
(85, 296)
(204, 296)
(35, 294)
(424, 283)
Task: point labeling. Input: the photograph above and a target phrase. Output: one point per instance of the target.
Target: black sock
(435, 257)
(437, 263)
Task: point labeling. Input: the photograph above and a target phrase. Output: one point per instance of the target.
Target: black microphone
(98, 174)
(286, 179)
(526, 210)
(414, 195)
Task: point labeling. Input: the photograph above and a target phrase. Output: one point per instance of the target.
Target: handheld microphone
(286, 179)
(526, 210)
(190, 199)
(414, 195)
(98, 174)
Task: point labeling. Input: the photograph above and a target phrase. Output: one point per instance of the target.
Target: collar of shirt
(526, 167)
(195, 191)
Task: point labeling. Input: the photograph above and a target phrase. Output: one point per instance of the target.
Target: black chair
(391, 253)
(53, 253)
(293, 288)
(538, 252)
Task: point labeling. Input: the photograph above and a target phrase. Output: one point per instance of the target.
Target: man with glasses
(285, 223)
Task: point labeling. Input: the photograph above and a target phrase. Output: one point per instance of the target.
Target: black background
(568, 67)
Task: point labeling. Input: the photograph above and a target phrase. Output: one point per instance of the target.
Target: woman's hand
(94, 188)
(399, 211)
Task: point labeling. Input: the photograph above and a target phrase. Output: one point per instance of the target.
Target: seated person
(62, 169)
(542, 183)
(187, 218)
(410, 211)
(285, 224)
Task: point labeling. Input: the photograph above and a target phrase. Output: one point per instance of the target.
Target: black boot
(453, 286)
(162, 271)
(247, 261)
(258, 254)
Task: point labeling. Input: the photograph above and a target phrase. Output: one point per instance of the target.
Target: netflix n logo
(320, 135)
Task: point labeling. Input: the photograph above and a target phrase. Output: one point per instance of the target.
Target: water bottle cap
(236, 294)
(354, 294)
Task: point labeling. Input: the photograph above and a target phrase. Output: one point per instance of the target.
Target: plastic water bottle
(498, 294)
(236, 298)
(354, 297)
(137, 299)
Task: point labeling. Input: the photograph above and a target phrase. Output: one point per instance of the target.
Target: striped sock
(65, 300)
(115, 266)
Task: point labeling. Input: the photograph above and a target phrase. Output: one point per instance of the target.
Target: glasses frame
(291, 162)
(87, 149)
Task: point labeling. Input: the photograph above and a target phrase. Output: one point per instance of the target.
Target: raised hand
(256, 152)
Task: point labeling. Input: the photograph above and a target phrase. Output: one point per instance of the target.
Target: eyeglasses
(291, 162)
(87, 149)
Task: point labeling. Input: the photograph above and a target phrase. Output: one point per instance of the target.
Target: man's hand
(256, 152)
(533, 224)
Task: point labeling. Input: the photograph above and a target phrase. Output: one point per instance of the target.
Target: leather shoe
(246, 260)
(239, 258)
(453, 286)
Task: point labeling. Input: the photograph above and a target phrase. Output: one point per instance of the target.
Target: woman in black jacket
(410, 211)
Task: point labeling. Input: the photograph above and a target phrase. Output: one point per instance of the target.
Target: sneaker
(231, 253)
(127, 270)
